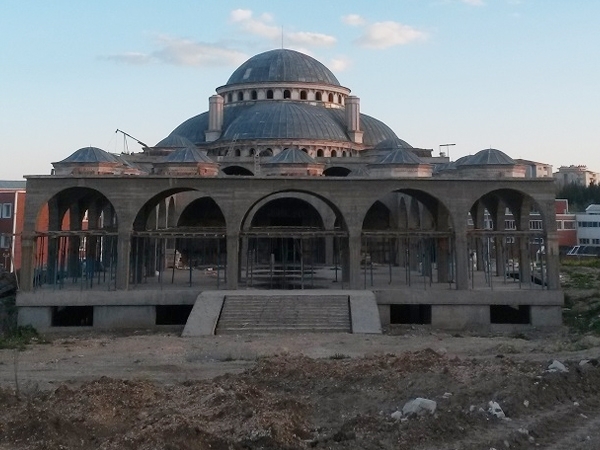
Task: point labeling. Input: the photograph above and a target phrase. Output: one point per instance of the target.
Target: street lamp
(447, 149)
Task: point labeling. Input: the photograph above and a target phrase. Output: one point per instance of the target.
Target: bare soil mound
(297, 402)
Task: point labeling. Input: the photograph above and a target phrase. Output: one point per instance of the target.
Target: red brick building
(12, 202)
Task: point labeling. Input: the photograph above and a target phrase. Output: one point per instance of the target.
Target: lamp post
(447, 149)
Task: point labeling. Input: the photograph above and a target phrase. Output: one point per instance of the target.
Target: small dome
(291, 156)
(90, 155)
(175, 141)
(489, 156)
(399, 156)
(282, 65)
(392, 144)
(187, 155)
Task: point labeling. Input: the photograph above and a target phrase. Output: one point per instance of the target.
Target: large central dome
(282, 65)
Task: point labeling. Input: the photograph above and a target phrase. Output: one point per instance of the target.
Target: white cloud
(133, 58)
(262, 26)
(382, 35)
(353, 20)
(339, 64)
(258, 27)
(183, 52)
(310, 39)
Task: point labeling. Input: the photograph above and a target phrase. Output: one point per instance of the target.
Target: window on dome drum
(318, 96)
(333, 153)
(238, 152)
(339, 99)
(320, 153)
(287, 94)
(302, 95)
(267, 152)
(269, 94)
(252, 152)
(254, 95)
(330, 98)
(344, 154)
(304, 150)
(240, 96)
(229, 97)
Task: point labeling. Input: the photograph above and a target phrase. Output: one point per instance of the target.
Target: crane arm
(130, 136)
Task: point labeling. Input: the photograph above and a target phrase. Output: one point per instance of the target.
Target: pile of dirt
(296, 402)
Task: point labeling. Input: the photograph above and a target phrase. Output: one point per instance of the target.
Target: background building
(12, 200)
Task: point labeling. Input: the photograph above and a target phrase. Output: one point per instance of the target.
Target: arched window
(330, 98)
(287, 94)
(333, 153)
(339, 99)
(269, 94)
(238, 152)
(229, 98)
(252, 152)
(305, 151)
(302, 95)
(240, 96)
(344, 154)
(318, 96)
(254, 95)
(320, 153)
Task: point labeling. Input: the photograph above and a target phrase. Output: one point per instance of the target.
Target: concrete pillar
(462, 256)
(443, 259)
(353, 260)
(215, 118)
(353, 119)
(123, 254)
(552, 261)
(232, 270)
(27, 262)
(73, 264)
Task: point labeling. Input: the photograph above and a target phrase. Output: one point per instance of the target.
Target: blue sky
(522, 76)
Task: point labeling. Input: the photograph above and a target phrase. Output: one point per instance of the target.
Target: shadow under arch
(507, 239)
(75, 239)
(407, 240)
(237, 171)
(289, 241)
(192, 241)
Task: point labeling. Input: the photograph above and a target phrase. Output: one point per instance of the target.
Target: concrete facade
(393, 228)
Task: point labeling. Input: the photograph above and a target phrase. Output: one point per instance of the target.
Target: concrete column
(74, 241)
(27, 262)
(443, 249)
(353, 260)
(462, 256)
(233, 248)
(123, 254)
(215, 118)
(524, 261)
(552, 261)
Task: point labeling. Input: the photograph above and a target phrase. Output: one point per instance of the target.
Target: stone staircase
(284, 312)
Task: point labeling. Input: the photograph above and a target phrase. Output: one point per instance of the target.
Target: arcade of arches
(418, 242)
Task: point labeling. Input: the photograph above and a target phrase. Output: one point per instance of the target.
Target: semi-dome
(175, 141)
(282, 65)
(392, 144)
(285, 120)
(255, 121)
(187, 155)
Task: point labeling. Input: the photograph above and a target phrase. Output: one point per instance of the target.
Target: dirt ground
(160, 391)
(155, 390)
